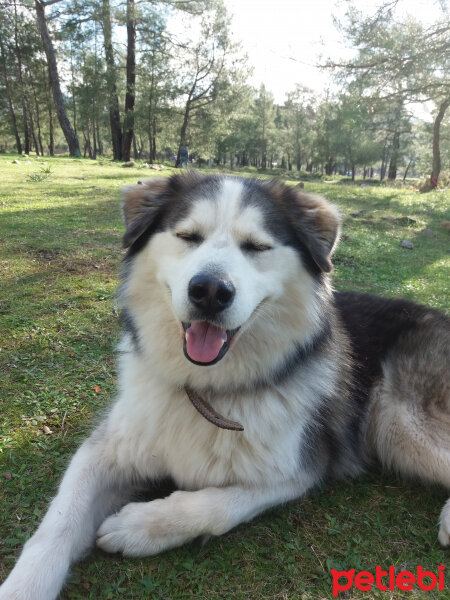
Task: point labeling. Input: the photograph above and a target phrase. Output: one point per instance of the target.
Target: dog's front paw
(139, 529)
(444, 529)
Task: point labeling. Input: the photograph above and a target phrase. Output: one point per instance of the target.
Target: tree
(300, 118)
(356, 142)
(8, 93)
(111, 82)
(327, 140)
(69, 133)
(130, 95)
(24, 75)
(155, 80)
(400, 61)
(264, 111)
(203, 68)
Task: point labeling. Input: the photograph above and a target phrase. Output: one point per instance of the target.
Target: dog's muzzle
(205, 341)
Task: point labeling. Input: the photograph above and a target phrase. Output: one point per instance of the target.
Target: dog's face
(227, 252)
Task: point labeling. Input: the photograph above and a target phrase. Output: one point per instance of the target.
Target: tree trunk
(153, 150)
(32, 132)
(111, 83)
(99, 139)
(94, 139)
(51, 142)
(436, 138)
(38, 117)
(69, 133)
(183, 132)
(407, 169)
(87, 142)
(392, 171)
(12, 114)
(128, 123)
(383, 161)
(329, 166)
(73, 90)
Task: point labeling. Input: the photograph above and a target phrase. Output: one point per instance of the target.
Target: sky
(284, 39)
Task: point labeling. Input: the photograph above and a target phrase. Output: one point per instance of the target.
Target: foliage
(192, 88)
(399, 60)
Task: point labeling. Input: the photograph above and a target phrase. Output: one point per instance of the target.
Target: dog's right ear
(142, 204)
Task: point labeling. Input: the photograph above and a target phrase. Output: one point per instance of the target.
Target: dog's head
(233, 257)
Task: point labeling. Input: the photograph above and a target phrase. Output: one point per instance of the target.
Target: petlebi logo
(388, 580)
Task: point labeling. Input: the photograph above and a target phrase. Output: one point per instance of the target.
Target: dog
(243, 376)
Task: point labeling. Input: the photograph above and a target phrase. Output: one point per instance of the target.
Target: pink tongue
(204, 341)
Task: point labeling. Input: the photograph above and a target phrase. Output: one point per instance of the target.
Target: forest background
(137, 79)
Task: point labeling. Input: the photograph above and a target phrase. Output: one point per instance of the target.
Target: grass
(59, 259)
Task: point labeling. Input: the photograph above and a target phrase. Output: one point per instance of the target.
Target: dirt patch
(53, 259)
(46, 254)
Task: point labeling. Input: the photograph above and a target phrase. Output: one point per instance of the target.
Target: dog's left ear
(317, 223)
(142, 204)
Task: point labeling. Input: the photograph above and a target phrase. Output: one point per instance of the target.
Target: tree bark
(69, 133)
(111, 83)
(128, 125)
(436, 170)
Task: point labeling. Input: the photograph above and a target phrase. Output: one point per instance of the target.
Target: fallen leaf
(7, 476)
(97, 388)
(47, 430)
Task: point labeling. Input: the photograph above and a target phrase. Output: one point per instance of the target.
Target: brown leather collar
(207, 411)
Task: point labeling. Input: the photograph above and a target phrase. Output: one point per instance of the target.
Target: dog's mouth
(204, 343)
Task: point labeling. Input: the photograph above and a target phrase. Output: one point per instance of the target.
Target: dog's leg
(143, 529)
(88, 492)
(410, 423)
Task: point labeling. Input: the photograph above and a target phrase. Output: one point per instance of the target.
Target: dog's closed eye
(191, 237)
(255, 246)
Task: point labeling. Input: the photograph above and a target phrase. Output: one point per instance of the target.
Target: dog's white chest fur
(170, 437)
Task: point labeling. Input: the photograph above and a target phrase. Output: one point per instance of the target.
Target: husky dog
(243, 377)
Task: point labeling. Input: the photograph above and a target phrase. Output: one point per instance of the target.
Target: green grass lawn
(60, 254)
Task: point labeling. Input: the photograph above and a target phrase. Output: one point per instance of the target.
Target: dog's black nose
(210, 293)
